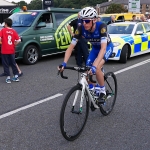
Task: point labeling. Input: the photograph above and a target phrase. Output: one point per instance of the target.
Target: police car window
(105, 19)
(60, 17)
(140, 28)
(47, 18)
(120, 28)
(147, 27)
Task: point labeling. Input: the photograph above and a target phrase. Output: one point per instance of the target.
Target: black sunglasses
(85, 20)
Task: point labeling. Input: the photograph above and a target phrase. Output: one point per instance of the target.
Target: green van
(42, 32)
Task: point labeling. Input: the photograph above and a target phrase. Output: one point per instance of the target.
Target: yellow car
(130, 39)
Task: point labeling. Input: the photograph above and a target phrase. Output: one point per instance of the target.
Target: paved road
(37, 126)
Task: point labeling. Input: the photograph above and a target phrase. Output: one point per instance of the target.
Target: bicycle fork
(84, 84)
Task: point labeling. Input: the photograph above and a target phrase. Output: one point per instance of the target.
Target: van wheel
(31, 55)
(124, 54)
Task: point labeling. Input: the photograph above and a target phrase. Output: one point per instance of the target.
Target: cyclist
(96, 33)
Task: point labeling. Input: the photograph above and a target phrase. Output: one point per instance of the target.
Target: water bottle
(91, 89)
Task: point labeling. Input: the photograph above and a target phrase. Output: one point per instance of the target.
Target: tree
(35, 5)
(115, 8)
(21, 3)
(77, 3)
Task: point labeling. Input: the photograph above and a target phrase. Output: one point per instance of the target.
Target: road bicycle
(75, 107)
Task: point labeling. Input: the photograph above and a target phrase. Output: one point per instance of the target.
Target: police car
(130, 39)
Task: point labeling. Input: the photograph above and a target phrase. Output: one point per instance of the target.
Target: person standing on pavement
(9, 39)
(81, 49)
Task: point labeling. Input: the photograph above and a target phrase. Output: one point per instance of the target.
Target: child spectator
(9, 39)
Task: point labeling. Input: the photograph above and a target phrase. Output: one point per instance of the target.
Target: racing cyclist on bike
(96, 33)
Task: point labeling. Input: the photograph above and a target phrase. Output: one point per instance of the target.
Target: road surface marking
(29, 106)
(133, 66)
(57, 95)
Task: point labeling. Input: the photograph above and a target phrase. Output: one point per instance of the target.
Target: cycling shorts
(94, 53)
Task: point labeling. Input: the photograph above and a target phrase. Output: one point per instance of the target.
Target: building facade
(5, 9)
(145, 6)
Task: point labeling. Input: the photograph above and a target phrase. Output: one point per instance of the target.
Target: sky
(27, 1)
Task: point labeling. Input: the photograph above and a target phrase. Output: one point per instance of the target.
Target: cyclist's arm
(104, 40)
(69, 51)
(73, 44)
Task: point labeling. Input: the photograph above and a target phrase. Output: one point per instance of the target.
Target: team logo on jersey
(103, 30)
(76, 32)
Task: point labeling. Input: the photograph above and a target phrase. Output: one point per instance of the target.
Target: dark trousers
(9, 60)
(82, 51)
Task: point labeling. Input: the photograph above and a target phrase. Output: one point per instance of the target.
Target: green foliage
(76, 3)
(21, 3)
(115, 8)
(37, 4)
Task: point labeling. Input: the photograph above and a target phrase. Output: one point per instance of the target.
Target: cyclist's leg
(99, 73)
(92, 56)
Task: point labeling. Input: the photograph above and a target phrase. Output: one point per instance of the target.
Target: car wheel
(124, 54)
(31, 55)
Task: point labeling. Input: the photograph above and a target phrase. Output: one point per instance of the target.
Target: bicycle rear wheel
(111, 92)
(73, 119)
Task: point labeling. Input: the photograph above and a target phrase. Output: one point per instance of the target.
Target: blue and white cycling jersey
(97, 37)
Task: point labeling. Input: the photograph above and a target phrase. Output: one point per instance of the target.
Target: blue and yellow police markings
(62, 36)
(129, 40)
(148, 40)
(138, 43)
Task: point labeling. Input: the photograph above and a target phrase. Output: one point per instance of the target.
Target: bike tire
(68, 125)
(111, 92)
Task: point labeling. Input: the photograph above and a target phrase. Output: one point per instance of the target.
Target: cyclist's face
(87, 23)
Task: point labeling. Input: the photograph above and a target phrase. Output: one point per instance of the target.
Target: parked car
(42, 32)
(130, 39)
(119, 17)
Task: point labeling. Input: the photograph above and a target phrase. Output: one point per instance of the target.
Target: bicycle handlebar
(79, 69)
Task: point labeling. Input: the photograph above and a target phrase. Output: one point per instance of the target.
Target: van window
(120, 18)
(47, 18)
(23, 19)
(147, 27)
(60, 17)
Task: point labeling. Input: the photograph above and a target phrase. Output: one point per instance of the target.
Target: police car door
(45, 34)
(147, 30)
(140, 39)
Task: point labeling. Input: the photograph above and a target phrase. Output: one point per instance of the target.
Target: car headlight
(116, 44)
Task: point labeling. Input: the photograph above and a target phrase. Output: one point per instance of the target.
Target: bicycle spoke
(111, 92)
(73, 118)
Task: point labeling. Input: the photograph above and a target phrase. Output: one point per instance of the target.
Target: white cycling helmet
(88, 13)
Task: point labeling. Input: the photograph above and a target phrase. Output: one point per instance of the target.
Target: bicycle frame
(85, 87)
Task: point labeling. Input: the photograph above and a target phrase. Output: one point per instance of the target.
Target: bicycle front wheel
(73, 117)
(111, 93)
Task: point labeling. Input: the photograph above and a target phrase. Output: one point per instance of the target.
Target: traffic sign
(134, 6)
